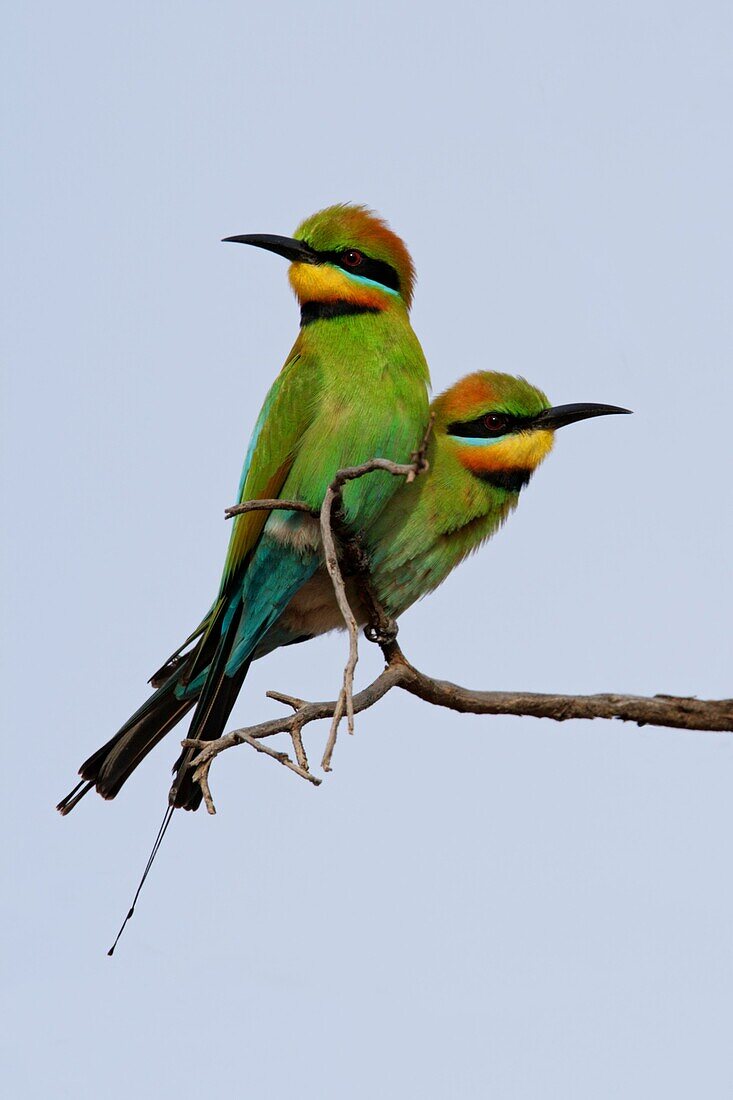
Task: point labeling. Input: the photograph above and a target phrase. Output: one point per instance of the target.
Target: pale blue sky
(468, 907)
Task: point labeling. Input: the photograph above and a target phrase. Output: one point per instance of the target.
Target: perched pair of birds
(354, 387)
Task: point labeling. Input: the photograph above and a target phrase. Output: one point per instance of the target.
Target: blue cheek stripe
(369, 282)
(472, 441)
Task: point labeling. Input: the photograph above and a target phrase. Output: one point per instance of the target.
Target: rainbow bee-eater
(491, 431)
(353, 386)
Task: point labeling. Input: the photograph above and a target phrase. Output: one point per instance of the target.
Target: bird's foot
(383, 632)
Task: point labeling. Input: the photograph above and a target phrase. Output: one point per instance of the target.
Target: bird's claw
(382, 634)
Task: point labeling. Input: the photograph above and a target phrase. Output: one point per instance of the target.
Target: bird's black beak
(560, 415)
(293, 250)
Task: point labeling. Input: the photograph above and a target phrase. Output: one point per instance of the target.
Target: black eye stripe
(479, 429)
(376, 270)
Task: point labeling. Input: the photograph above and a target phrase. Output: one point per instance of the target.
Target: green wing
(280, 427)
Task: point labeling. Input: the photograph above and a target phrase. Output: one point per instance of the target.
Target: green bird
(355, 385)
(491, 431)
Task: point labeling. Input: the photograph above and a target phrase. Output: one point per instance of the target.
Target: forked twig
(295, 732)
(202, 763)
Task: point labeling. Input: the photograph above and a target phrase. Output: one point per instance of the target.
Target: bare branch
(676, 712)
(672, 711)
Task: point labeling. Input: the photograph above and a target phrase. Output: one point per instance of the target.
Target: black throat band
(511, 480)
(327, 311)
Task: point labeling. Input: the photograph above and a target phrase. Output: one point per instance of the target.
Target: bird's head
(344, 253)
(500, 428)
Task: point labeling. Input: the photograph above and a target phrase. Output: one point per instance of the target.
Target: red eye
(497, 423)
(352, 258)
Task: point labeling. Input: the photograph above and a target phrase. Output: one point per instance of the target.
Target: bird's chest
(356, 361)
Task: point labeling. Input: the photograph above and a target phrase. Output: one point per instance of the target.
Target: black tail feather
(66, 805)
(212, 713)
(179, 658)
(112, 764)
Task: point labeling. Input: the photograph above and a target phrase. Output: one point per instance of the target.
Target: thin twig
(201, 776)
(202, 763)
(332, 506)
(288, 700)
(282, 758)
(345, 699)
(296, 736)
(419, 458)
(269, 505)
(308, 712)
